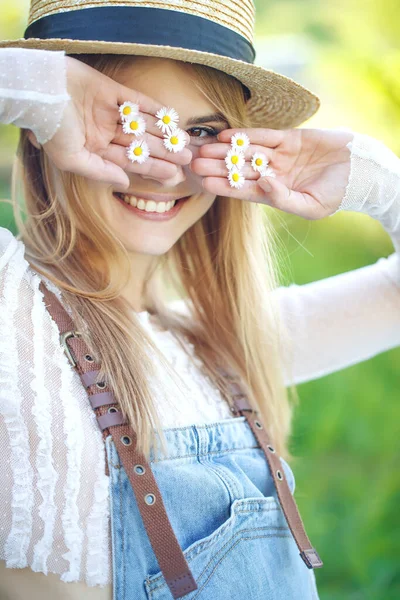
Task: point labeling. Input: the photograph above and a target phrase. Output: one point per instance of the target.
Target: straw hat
(215, 33)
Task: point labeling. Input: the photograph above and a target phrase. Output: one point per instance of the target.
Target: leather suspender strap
(111, 421)
(286, 499)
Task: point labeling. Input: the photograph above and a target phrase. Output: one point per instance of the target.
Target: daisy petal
(128, 109)
(240, 141)
(259, 162)
(236, 178)
(138, 151)
(175, 140)
(234, 159)
(135, 125)
(168, 119)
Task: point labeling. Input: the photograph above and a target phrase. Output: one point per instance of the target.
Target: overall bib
(221, 501)
(214, 518)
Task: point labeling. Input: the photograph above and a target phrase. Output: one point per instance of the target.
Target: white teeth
(148, 205)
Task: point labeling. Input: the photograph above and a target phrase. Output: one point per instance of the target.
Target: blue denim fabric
(222, 503)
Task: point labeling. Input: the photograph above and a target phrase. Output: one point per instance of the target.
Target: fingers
(161, 169)
(208, 167)
(220, 151)
(151, 128)
(146, 104)
(221, 187)
(156, 146)
(270, 138)
(297, 203)
(93, 166)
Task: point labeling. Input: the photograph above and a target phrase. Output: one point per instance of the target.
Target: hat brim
(277, 102)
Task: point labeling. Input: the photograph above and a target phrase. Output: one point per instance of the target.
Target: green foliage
(346, 435)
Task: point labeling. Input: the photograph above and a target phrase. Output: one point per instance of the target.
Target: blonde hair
(225, 265)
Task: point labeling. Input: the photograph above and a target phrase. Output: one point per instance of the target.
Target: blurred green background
(346, 429)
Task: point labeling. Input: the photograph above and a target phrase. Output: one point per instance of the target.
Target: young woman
(96, 233)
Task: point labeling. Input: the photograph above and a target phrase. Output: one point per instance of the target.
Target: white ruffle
(46, 475)
(98, 531)
(21, 500)
(74, 437)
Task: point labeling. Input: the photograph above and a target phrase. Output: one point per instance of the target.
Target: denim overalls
(222, 504)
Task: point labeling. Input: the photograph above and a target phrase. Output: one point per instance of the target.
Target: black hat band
(143, 25)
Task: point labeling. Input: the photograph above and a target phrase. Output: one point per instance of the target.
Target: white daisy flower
(134, 124)
(167, 119)
(175, 140)
(240, 141)
(234, 159)
(127, 109)
(138, 151)
(236, 178)
(259, 162)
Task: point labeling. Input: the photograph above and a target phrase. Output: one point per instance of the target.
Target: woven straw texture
(235, 14)
(276, 102)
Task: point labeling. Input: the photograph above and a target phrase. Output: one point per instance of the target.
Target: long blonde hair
(225, 266)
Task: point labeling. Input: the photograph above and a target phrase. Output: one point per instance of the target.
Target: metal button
(139, 469)
(279, 475)
(126, 440)
(150, 499)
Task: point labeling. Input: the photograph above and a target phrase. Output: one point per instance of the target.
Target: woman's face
(171, 83)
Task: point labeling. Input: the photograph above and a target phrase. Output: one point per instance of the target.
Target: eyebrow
(214, 118)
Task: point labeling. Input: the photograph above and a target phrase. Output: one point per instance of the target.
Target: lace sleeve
(374, 184)
(348, 318)
(33, 90)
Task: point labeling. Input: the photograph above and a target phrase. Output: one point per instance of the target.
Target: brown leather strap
(111, 421)
(286, 499)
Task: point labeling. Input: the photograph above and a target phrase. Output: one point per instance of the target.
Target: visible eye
(202, 133)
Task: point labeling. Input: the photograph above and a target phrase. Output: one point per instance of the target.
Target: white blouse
(54, 497)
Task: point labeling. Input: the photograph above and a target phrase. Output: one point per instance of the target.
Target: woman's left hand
(312, 168)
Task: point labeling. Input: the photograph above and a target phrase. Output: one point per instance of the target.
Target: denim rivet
(150, 499)
(139, 469)
(279, 475)
(126, 440)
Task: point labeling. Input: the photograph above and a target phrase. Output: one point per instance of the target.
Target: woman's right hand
(90, 140)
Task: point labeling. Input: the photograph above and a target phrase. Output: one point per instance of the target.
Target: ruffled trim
(18, 540)
(98, 558)
(47, 476)
(74, 441)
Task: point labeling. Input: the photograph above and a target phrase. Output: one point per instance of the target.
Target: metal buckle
(63, 340)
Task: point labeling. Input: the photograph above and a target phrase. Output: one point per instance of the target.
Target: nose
(172, 181)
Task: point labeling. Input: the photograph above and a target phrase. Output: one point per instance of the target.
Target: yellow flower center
(137, 151)
(259, 162)
(166, 119)
(134, 124)
(235, 177)
(127, 110)
(240, 142)
(174, 140)
(235, 159)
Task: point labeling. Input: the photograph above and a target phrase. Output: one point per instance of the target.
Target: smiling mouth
(149, 205)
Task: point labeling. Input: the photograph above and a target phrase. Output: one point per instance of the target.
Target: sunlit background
(346, 433)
